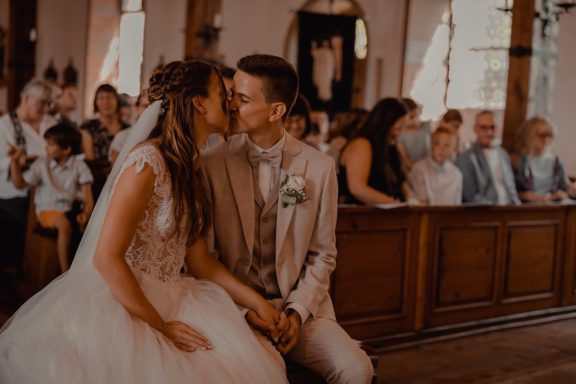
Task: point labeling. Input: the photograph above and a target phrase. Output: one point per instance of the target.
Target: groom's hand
(290, 337)
(267, 327)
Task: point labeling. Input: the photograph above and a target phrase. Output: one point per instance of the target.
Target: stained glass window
(473, 55)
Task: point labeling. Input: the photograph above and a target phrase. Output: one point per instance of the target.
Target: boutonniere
(293, 190)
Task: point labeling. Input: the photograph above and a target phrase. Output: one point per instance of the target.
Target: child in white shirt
(60, 179)
(434, 179)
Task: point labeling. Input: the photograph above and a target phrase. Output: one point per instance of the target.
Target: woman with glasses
(539, 174)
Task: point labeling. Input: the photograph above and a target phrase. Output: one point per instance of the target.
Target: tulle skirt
(77, 332)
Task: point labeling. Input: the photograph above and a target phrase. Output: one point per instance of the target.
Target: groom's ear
(198, 104)
(277, 111)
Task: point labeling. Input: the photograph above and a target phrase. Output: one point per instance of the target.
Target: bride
(124, 313)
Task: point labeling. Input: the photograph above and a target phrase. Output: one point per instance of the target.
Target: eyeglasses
(486, 127)
(545, 135)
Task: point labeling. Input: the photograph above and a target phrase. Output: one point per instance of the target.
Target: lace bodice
(152, 250)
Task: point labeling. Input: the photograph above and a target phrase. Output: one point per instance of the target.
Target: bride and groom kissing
(263, 204)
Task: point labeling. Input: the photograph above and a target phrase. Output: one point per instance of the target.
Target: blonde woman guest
(538, 173)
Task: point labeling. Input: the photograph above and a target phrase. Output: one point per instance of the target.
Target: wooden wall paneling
(463, 270)
(466, 266)
(414, 272)
(569, 277)
(421, 273)
(531, 261)
(373, 287)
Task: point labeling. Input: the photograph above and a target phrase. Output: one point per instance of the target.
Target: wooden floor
(539, 354)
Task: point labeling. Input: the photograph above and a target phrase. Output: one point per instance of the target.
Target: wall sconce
(210, 33)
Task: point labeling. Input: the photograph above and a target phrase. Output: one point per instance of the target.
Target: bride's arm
(202, 266)
(127, 206)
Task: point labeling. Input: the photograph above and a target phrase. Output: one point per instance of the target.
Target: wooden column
(201, 36)
(518, 69)
(21, 48)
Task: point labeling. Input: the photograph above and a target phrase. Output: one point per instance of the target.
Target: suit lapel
(483, 169)
(292, 164)
(241, 181)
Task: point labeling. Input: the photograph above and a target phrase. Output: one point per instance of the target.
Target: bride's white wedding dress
(86, 336)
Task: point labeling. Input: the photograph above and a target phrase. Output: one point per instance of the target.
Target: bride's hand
(268, 314)
(184, 337)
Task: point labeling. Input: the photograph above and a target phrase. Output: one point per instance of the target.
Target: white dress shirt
(69, 176)
(267, 174)
(493, 159)
(35, 146)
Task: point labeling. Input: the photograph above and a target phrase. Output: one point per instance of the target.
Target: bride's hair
(175, 85)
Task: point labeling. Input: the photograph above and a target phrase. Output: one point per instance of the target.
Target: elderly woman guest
(539, 174)
(97, 134)
(299, 124)
(370, 165)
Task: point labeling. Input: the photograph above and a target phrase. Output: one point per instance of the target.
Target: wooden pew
(40, 255)
(408, 273)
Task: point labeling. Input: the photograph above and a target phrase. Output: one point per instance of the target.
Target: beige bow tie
(274, 157)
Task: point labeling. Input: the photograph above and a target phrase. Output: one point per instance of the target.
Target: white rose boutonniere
(293, 190)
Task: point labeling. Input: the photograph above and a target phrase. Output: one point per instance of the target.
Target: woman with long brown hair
(125, 313)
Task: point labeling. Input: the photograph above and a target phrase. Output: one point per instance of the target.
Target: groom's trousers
(324, 347)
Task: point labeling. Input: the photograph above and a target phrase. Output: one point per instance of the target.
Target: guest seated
(97, 134)
(67, 104)
(414, 140)
(485, 167)
(58, 179)
(318, 136)
(141, 104)
(23, 128)
(298, 124)
(435, 180)
(125, 108)
(370, 165)
(348, 124)
(539, 174)
(453, 119)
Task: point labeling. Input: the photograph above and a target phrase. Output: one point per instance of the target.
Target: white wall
(565, 95)
(62, 36)
(262, 26)
(164, 33)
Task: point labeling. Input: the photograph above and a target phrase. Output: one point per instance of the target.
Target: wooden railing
(408, 272)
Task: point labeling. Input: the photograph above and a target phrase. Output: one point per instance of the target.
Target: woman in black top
(370, 165)
(97, 134)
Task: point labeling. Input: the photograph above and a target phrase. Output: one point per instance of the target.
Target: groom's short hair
(279, 77)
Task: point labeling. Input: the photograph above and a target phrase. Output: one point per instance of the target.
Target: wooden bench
(40, 254)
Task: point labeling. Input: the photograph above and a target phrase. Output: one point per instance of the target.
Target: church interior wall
(62, 33)
(251, 26)
(565, 95)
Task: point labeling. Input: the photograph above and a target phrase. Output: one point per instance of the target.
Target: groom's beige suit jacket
(305, 232)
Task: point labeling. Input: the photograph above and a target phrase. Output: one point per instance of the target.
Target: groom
(275, 209)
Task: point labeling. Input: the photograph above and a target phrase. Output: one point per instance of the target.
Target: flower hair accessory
(293, 190)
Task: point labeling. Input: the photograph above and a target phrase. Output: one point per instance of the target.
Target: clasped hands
(282, 328)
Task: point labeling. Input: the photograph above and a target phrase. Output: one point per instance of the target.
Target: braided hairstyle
(175, 85)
